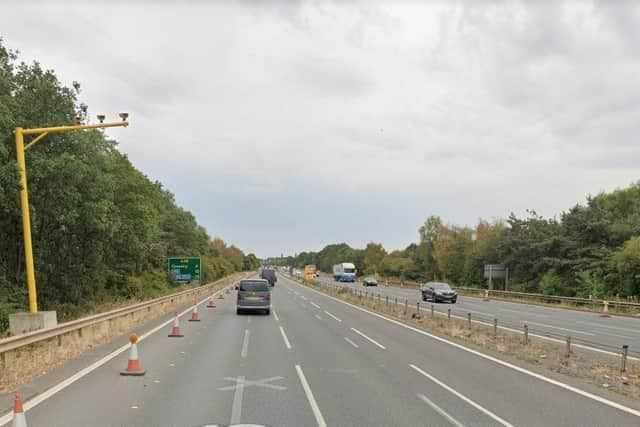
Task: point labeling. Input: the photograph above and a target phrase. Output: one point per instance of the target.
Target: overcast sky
(287, 126)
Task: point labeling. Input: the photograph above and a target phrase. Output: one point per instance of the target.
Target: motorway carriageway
(317, 361)
(585, 328)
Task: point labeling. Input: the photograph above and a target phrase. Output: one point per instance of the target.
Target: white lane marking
(314, 304)
(615, 335)
(607, 327)
(502, 362)
(245, 344)
(468, 303)
(332, 316)
(318, 317)
(462, 396)
(562, 329)
(439, 410)
(368, 338)
(310, 398)
(275, 314)
(284, 337)
(351, 342)
(6, 418)
(236, 408)
(303, 297)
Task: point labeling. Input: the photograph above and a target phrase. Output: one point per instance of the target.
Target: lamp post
(21, 149)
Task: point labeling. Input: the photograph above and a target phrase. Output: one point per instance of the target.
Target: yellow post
(26, 222)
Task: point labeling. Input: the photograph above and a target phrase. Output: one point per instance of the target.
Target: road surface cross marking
(241, 382)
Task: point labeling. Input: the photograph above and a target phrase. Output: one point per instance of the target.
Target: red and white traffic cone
(133, 366)
(195, 317)
(211, 303)
(19, 419)
(605, 309)
(220, 296)
(486, 295)
(175, 331)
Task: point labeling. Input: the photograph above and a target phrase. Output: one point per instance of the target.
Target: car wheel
(424, 298)
(238, 311)
(267, 312)
(453, 301)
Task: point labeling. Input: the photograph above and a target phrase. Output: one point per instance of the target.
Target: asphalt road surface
(316, 361)
(584, 327)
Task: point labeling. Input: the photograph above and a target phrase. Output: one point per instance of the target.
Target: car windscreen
(349, 270)
(441, 286)
(254, 286)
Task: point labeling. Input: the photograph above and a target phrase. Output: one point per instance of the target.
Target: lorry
(344, 272)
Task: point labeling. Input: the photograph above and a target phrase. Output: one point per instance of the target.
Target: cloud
(288, 125)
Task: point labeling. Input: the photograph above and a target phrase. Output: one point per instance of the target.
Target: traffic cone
(486, 295)
(133, 366)
(195, 317)
(19, 419)
(605, 309)
(175, 331)
(211, 303)
(220, 296)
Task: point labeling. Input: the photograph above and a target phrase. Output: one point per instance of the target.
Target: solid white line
(6, 418)
(284, 337)
(439, 410)
(498, 361)
(607, 327)
(331, 315)
(370, 339)
(318, 317)
(351, 342)
(310, 398)
(462, 397)
(314, 304)
(245, 344)
(236, 408)
(562, 329)
(275, 314)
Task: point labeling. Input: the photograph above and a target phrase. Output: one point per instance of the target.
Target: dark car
(269, 275)
(254, 295)
(369, 281)
(438, 292)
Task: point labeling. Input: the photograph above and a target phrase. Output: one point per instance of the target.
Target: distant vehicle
(438, 292)
(254, 295)
(269, 275)
(344, 272)
(369, 281)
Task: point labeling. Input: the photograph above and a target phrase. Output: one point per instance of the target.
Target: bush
(551, 284)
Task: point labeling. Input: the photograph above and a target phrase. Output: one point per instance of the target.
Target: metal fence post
(469, 319)
(448, 314)
(432, 312)
(526, 334)
(406, 303)
(568, 346)
(396, 299)
(623, 365)
(418, 308)
(495, 328)
(387, 300)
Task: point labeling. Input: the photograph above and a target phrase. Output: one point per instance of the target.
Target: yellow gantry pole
(26, 222)
(24, 194)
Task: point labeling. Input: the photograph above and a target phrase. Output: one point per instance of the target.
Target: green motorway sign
(185, 269)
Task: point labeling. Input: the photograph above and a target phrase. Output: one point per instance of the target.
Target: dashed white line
(236, 407)
(303, 297)
(318, 317)
(368, 338)
(284, 337)
(462, 396)
(562, 329)
(314, 304)
(275, 314)
(332, 316)
(439, 410)
(607, 327)
(245, 344)
(310, 398)
(351, 342)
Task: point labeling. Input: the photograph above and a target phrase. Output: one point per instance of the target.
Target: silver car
(254, 295)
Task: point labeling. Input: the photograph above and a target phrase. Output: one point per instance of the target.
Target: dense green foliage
(592, 249)
(102, 230)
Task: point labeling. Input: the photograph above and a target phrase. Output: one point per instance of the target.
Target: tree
(373, 256)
